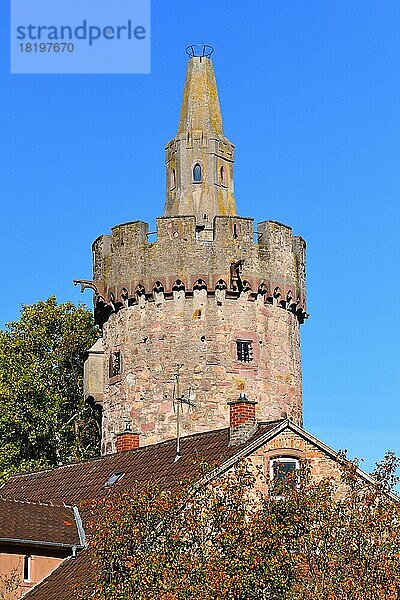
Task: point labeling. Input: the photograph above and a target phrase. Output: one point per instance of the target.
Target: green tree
(233, 539)
(44, 420)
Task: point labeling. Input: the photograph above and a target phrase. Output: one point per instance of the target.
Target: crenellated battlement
(127, 265)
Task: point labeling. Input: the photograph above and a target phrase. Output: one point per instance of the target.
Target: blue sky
(310, 96)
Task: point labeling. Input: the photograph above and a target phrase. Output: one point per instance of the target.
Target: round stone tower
(210, 304)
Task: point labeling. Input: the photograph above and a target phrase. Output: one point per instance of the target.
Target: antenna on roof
(178, 401)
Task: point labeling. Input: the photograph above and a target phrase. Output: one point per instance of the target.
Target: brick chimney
(127, 440)
(242, 421)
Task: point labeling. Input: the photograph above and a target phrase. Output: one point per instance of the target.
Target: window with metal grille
(244, 350)
(116, 364)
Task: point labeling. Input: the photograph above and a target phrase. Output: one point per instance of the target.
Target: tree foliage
(232, 539)
(9, 583)
(43, 418)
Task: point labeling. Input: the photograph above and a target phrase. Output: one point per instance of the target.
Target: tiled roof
(77, 482)
(72, 574)
(41, 523)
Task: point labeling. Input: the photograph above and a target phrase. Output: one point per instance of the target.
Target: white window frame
(280, 459)
(29, 565)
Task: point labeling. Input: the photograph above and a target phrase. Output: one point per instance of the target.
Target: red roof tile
(44, 524)
(73, 573)
(77, 482)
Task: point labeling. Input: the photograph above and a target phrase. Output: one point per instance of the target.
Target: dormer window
(197, 176)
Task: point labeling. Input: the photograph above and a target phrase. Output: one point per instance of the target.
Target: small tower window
(197, 176)
(172, 179)
(244, 351)
(115, 363)
(222, 175)
(27, 568)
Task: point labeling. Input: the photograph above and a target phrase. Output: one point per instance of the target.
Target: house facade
(61, 570)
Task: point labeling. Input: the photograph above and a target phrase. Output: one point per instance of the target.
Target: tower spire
(200, 158)
(200, 104)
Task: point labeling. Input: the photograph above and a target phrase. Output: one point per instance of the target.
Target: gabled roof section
(38, 524)
(279, 427)
(150, 463)
(75, 483)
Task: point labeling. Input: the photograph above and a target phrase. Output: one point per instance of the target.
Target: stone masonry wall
(174, 301)
(127, 259)
(200, 334)
(290, 444)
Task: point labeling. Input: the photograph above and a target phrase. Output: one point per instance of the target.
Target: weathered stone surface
(154, 339)
(93, 384)
(127, 260)
(200, 141)
(292, 445)
(187, 296)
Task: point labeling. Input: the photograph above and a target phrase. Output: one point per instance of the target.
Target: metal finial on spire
(201, 50)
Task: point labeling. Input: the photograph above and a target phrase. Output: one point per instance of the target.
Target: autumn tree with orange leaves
(232, 539)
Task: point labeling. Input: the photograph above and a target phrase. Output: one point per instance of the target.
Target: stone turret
(200, 158)
(210, 294)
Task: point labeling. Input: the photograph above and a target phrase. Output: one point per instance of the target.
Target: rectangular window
(116, 364)
(283, 474)
(114, 478)
(244, 351)
(27, 568)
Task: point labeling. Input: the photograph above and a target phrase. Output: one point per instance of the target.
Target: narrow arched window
(172, 179)
(222, 176)
(197, 173)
